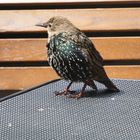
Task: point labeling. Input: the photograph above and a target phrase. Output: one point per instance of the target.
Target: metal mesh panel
(39, 115)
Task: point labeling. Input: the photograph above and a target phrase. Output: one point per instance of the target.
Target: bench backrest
(112, 25)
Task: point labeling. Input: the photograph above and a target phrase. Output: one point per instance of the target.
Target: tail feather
(110, 85)
(104, 79)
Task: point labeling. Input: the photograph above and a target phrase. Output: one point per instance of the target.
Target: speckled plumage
(67, 59)
(73, 56)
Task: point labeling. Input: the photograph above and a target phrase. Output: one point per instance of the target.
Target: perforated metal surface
(40, 115)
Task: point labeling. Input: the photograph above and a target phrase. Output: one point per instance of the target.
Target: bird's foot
(76, 96)
(65, 92)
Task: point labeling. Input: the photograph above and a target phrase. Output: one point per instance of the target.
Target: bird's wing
(89, 49)
(86, 46)
(80, 45)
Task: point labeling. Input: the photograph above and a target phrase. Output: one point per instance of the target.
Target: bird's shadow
(101, 93)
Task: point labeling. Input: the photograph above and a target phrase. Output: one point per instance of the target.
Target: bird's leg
(80, 94)
(66, 91)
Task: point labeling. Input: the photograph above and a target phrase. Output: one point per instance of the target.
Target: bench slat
(111, 48)
(103, 19)
(18, 78)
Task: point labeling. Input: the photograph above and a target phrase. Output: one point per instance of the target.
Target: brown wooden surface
(111, 48)
(24, 77)
(23, 50)
(87, 19)
(18, 78)
(102, 19)
(124, 72)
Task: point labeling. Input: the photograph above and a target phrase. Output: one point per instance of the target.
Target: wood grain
(23, 50)
(18, 78)
(111, 48)
(124, 72)
(102, 19)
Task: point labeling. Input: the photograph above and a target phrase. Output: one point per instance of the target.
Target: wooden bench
(112, 25)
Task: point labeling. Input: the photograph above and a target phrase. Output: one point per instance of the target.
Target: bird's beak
(42, 24)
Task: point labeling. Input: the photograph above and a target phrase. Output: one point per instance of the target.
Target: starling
(73, 56)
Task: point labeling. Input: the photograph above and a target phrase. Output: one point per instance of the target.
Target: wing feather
(81, 45)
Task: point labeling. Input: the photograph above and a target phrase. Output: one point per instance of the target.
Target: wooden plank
(114, 48)
(118, 48)
(103, 19)
(124, 72)
(18, 78)
(24, 77)
(23, 50)
(63, 1)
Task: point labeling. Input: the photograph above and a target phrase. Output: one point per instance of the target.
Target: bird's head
(56, 25)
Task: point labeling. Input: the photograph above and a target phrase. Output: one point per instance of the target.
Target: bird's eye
(50, 25)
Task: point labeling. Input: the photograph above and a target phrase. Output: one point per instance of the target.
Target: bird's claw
(65, 92)
(76, 96)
